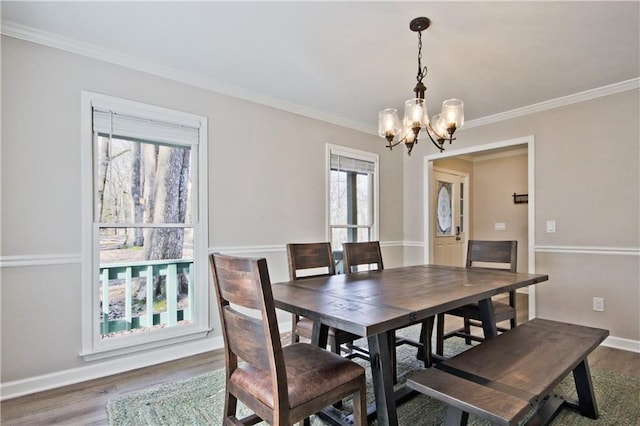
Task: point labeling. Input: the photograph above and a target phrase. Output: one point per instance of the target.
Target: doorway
(526, 143)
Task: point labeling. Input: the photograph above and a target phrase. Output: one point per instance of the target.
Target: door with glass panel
(450, 217)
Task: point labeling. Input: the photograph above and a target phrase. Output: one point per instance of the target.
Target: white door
(450, 219)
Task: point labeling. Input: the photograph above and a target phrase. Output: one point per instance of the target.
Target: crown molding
(23, 32)
(498, 155)
(26, 33)
(575, 98)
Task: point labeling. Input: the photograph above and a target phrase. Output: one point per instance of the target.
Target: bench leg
(584, 387)
(467, 331)
(455, 417)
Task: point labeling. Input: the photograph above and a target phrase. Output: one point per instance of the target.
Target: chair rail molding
(20, 261)
(39, 260)
(616, 251)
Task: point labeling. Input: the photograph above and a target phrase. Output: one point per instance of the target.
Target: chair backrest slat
(305, 256)
(246, 338)
(493, 252)
(363, 253)
(238, 282)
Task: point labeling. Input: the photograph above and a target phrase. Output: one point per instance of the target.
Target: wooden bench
(504, 378)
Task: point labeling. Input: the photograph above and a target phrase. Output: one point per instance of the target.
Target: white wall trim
(33, 35)
(411, 244)
(39, 260)
(587, 95)
(618, 251)
(22, 261)
(622, 344)
(496, 156)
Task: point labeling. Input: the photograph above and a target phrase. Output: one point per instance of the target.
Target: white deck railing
(136, 275)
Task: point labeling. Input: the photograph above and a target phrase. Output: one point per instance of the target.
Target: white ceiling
(347, 60)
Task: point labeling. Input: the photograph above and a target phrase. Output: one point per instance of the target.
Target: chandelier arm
(440, 143)
(396, 143)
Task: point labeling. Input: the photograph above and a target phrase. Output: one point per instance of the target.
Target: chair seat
(311, 371)
(304, 328)
(501, 311)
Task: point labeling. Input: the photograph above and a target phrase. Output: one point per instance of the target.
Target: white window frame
(360, 155)
(93, 347)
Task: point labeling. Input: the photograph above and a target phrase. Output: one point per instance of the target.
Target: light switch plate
(500, 226)
(551, 227)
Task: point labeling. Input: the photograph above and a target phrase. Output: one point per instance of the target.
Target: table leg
(319, 334)
(584, 387)
(426, 332)
(382, 378)
(487, 318)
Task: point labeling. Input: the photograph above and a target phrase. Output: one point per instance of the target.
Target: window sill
(131, 347)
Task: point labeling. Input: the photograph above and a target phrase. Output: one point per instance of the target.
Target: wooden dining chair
(368, 254)
(483, 254)
(307, 260)
(281, 385)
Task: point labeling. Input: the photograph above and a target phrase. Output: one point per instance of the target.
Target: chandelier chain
(422, 72)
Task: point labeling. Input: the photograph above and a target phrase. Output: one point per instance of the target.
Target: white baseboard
(71, 376)
(623, 344)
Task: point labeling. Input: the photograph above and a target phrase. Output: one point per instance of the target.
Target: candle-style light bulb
(388, 124)
(453, 113)
(415, 113)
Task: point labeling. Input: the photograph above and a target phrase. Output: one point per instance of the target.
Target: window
(144, 226)
(352, 196)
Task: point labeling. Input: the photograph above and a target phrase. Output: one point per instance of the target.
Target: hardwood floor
(84, 403)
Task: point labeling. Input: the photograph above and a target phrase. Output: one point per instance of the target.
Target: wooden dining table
(373, 304)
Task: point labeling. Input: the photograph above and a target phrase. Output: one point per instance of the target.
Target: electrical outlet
(598, 304)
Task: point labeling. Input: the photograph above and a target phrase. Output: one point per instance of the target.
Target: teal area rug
(200, 400)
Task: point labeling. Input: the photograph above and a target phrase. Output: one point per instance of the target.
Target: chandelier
(441, 127)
